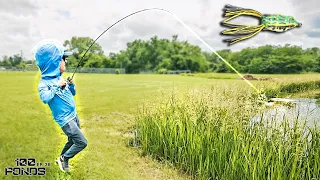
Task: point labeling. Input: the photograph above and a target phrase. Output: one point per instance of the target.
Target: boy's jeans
(76, 140)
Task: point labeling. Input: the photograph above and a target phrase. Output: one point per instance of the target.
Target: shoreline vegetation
(207, 133)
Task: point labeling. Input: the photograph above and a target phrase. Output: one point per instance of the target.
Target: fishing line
(187, 27)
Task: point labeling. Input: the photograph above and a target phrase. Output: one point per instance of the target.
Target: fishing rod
(70, 78)
(177, 18)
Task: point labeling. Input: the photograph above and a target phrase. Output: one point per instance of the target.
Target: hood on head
(48, 56)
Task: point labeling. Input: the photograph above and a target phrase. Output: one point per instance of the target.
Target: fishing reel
(68, 81)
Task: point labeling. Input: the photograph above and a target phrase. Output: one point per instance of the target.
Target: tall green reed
(208, 133)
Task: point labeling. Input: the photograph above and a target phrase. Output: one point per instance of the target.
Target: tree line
(15, 61)
(160, 55)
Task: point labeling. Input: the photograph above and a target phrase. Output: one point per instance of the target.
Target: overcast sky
(26, 22)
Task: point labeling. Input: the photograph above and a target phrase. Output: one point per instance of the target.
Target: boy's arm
(46, 93)
(72, 89)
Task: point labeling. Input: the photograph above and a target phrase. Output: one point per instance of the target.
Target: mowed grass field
(107, 105)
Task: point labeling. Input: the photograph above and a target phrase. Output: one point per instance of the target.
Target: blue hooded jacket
(48, 57)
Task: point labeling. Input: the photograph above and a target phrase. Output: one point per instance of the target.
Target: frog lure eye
(268, 22)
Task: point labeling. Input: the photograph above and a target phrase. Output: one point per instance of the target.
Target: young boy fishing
(58, 94)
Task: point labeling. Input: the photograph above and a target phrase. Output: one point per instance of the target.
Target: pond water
(303, 109)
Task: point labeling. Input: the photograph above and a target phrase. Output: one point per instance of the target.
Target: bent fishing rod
(178, 19)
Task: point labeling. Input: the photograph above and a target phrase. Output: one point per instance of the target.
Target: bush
(293, 87)
(162, 71)
(117, 71)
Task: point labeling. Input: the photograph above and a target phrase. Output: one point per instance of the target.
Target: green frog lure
(268, 22)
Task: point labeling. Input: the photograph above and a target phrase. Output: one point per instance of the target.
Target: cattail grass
(209, 134)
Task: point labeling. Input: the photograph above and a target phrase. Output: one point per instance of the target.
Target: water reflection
(303, 109)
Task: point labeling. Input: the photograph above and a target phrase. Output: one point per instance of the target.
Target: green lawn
(106, 106)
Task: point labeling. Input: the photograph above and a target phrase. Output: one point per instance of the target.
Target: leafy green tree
(317, 64)
(6, 61)
(22, 65)
(79, 45)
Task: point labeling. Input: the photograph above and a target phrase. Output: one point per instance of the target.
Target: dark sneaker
(63, 164)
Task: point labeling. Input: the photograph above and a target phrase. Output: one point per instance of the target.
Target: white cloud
(26, 22)
(19, 7)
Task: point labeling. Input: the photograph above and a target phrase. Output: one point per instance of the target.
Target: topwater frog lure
(268, 22)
